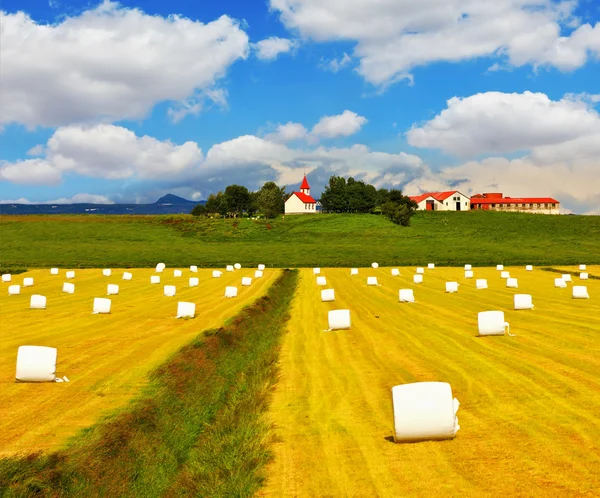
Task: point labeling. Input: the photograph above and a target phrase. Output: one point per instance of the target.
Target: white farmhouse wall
(449, 204)
(295, 206)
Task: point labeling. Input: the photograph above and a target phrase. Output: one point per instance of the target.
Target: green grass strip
(197, 429)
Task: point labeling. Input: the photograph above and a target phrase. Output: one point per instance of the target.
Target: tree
(270, 200)
(199, 210)
(237, 198)
(335, 198)
(217, 204)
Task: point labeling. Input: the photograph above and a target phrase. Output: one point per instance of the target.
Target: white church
(301, 202)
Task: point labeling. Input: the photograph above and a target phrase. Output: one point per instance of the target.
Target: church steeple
(305, 187)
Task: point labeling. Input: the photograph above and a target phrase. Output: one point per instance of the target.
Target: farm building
(442, 201)
(496, 202)
(301, 202)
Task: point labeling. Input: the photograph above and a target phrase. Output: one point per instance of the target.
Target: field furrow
(529, 404)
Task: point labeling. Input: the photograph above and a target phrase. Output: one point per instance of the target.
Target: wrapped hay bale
(37, 302)
(375, 265)
(353, 271)
(529, 268)
(451, 287)
(194, 269)
(112, 289)
(160, 267)
(582, 267)
(469, 274)
(14, 290)
(194, 281)
(28, 282)
(246, 282)
(107, 272)
(321, 281)
(339, 319)
(372, 281)
(560, 283)
(567, 277)
(229, 268)
(177, 273)
(186, 310)
(70, 274)
(418, 279)
(68, 288)
(406, 296)
(395, 272)
(316, 271)
(101, 306)
(217, 273)
(127, 275)
(580, 292)
(424, 411)
(492, 323)
(261, 267)
(7, 277)
(36, 364)
(512, 283)
(468, 267)
(583, 276)
(169, 290)
(53, 271)
(231, 291)
(499, 267)
(155, 279)
(523, 302)
(504, 274)
(481, 283)
(237, 266)
(258, 273)
(327, 295)
(430, 266)
(420, 270)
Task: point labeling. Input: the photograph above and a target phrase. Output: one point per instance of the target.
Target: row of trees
(340, 196)
(237, 199)
(355, 196)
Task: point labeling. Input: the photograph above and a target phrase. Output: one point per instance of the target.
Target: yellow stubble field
(106, 357)
(530, 404)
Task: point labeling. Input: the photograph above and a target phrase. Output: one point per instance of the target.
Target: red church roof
(307, 199)
(304, 184)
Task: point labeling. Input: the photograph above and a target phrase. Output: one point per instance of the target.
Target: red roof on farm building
(438, 196)
(307, 199)
(514, 200)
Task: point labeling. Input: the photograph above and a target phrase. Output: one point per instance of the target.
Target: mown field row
(529, 404)
(106, 357)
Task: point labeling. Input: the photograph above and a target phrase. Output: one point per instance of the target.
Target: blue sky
(122, 102)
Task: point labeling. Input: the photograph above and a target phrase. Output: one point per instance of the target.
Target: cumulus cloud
(76, 199)
(495, 122)
(111, 63)
(103, 151)
(288, 133)
(36, 150)
(335, 65)
(341, 125)
(394, 36)
(270, 48)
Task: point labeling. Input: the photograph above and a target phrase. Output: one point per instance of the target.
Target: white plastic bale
(395, 272)
(229, 268)
(36, 364)
(37, 302)
(155, 279)
(580, 292)
(112, 289)
(68, 288)
(481, 283)
(177, 273)
(406, 296)
(28, 282)
(375, 265)
(169, 290)
(321, 281)
(261, 267)
(582, 267)
(246, 281)
(468, 273)
(418, 279)
(258, 273)
(353, 271)
(512, 283)
(316, 271)
(217, 273)
(559, 282)
(567, 277)
(13, 290)
(529, 268)
(468, 267)
(583, 276)
(504, 274)
(451, 286)
(160, 267)
(186, 310)
(339, 319)
(194, 281)
(70, 274)
(107, 272)
(53, 271)
(372, 281)
(491, 323)
(194, 269)
(101, 305)
(327, 295)
(499, 267)
(127, 275)
(237, 266)
(420, 270)
(231, 291)
(424, 411)
(430, 266)
(523, 302)
(7, 277)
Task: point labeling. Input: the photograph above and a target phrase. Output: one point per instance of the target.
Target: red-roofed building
(496, 202)
(301, 202)
(451, 200)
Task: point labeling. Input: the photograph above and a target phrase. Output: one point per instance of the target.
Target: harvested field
(530, 404)
(106, 357)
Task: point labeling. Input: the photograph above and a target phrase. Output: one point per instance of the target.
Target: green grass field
(297, 241)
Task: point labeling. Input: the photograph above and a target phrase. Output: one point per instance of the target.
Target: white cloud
(269, 48)
(495, 122)
(110, 63)
(394, 36)
(30, 172)
(288, 133)
(36, 150)
(345, 124)
(104, 151)
(76, 199)
(335, 65)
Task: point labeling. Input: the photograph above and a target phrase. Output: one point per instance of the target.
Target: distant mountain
(168, 204)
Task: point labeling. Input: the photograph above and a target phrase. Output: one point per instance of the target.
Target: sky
(106, 102)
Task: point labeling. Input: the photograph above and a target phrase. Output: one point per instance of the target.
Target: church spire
(305, 187)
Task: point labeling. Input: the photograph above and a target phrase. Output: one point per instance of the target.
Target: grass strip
(198, 428)
(572, 273)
